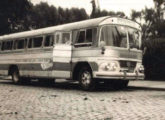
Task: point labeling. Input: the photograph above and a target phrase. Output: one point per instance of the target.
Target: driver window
(86, 37)
(81, 38)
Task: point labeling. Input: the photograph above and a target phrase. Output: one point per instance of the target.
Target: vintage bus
(104, 49)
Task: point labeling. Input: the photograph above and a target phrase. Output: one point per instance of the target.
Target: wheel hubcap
(86, 78)
(15, 77)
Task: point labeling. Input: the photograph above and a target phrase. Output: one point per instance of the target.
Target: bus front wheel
(86, 80)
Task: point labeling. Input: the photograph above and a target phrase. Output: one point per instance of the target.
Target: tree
(135, 15)
(93, 14)
(153, 32)
(120, 14)
(158, 4)
(61, 15)
(43, 15)
(149, 27)
(158, 23)
(12, 13)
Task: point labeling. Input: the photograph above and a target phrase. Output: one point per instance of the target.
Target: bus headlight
(140, 68)
(109, 66)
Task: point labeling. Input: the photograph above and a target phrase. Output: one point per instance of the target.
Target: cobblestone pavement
(65, 101)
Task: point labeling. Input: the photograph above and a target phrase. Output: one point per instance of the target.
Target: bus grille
(127, 66)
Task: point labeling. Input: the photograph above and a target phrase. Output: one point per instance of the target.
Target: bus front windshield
(117, 36)
(134, 38)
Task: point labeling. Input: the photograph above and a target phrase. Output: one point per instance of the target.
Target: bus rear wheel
(15, 76)
(86, 80)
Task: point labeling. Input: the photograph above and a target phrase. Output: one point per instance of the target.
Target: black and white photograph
(82, 59)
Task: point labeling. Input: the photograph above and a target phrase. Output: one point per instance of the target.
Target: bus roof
(71, 26)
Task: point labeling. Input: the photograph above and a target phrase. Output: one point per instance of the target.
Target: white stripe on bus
(57, 74)
(3, 72)
(62, 59)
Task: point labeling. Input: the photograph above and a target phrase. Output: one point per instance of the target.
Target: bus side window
(25, 43)
(15, 45)
(20, 44)
(88, 36)
(81, 37)
(30, 45)
(49, 41)
(37, 42)
(75, 35)
(3, 45)
(94, 37)
(52, 40)
(65, 38)
(7, 45)
(58, 38)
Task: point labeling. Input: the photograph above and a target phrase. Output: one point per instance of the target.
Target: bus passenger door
(62, 53)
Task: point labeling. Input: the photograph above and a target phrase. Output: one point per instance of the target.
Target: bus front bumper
(118, 75)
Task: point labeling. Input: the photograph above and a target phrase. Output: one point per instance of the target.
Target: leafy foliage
(154, 59)
(44, 15)
(12, 13)
(154, 42)
(135, 14)
(22, 15)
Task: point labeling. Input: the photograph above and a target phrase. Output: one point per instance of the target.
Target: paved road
(142, 100)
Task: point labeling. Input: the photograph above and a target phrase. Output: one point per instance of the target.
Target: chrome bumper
(118, 75)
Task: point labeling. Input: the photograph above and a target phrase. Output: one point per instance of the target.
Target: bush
(154, 58)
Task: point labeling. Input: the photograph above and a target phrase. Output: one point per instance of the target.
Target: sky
(110, 5)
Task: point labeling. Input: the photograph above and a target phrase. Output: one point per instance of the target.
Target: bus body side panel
(62, 61)
(32, 63)
(3, 68)
(38, 63)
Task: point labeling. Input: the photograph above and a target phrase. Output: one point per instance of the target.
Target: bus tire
(85, 78)
(15, 76)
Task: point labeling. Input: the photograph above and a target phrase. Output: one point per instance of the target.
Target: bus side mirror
(102, 45)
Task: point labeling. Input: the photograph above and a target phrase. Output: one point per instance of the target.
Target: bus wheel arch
(11, 69)
(83, 73)
(14, 72)
(77, 68)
